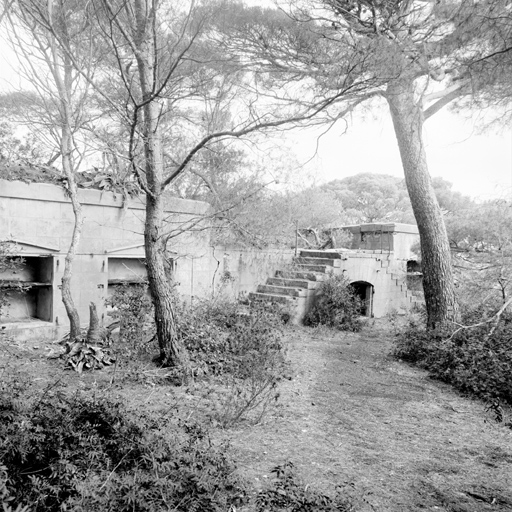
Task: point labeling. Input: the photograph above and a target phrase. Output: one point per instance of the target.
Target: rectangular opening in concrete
(126, 271)
(124, 276)
(27, 290)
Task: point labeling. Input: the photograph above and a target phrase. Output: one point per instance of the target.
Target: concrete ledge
(388, 227)
(52, 193)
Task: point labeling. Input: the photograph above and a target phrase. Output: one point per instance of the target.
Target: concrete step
(268, 297)
(331, 262)
(281, 290)
(296, 274)
(30, 330)
(291, 283)
(306, 253)
(321, 269)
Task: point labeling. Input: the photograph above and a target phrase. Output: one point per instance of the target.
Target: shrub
(132, 307)
(286, 493)
(336, 305)
(241, 350)
(90, 454)
(225, 337)
(471, 360)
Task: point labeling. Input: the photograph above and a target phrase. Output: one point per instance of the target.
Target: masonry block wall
(39, 218)
(379, 255)
(396, 238)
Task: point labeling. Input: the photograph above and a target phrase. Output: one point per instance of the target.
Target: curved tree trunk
(172, 350)
(64, 87)
(438, 284)
(67, 298)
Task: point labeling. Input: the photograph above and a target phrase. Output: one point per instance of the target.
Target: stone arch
(413, 266)
(364, 290)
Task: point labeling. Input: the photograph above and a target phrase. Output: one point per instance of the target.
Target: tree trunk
(61, 70)
(67, 298)
(172, 350)
(438, 283)
(95, 334)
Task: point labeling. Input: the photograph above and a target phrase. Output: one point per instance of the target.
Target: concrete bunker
(364, 291)
(37, 224)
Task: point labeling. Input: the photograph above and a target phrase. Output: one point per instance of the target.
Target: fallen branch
(495, 319)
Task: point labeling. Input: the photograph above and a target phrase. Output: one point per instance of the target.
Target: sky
(478, 164)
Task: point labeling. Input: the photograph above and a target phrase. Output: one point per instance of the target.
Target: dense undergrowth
(63, 451)
(473, 360)
(236, 351)
(88, 453)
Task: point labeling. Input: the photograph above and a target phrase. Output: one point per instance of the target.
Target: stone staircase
(295, 287)
(412, 297)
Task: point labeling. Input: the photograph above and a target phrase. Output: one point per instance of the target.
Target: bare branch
(449, 95)
(262, 125)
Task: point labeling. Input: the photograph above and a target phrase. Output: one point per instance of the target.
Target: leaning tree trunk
(438, 283)
(172, 349)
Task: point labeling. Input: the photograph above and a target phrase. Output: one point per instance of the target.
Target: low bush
(225, 337)
(287, 493)
(90, 454)
(336, 305)
(470, 360)
(240, 350)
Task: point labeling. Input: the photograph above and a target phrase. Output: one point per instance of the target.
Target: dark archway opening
(364, 291)
(414, 276)
(413, 266)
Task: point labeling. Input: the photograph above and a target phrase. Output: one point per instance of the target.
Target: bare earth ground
(348, 415)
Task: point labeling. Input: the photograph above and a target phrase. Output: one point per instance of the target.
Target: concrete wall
(385, 273)
(237, 272)
(40, 219)
(392, 237)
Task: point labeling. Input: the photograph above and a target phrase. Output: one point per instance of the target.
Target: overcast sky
(478, 164)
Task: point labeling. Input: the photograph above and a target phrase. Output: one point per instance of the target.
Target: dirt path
(351, 414)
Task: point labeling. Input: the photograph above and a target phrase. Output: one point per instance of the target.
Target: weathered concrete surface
(39, 219)
(376, 264)
(236, 272)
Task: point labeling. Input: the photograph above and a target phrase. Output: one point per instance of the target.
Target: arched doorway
(364, 291)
